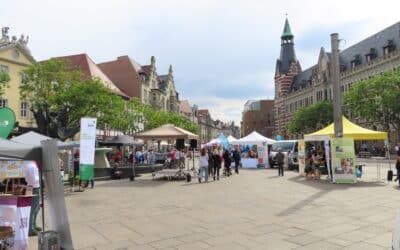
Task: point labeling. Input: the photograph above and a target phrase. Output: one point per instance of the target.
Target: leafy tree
(58, 97)
(311, 118)
(4, 79)
(377, 99)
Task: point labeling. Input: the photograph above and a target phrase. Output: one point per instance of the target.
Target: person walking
(33, 180)
(280, 159)
(210, 163)
(227, 162)
(236, 158)
(217, 163)
(203, 171)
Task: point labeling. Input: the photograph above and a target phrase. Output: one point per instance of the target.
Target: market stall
(340, 151)
(256, 143)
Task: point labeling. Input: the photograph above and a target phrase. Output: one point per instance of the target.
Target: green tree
(377, 99)
(311, 118)
(58, 97)
(4, 79)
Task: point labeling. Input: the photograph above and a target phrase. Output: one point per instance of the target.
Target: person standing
(280, 159)
(33, 180)
(236, 158)
(203, 171)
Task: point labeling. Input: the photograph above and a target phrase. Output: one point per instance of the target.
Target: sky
(223, 52)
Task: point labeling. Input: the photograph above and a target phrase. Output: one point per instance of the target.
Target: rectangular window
(3, 103)
(24, 109)
(23, 78)
(4, 68)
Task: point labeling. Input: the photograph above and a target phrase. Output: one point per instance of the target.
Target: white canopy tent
(231, 139)
(253, 138)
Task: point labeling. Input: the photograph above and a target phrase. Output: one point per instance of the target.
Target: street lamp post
(337, 100)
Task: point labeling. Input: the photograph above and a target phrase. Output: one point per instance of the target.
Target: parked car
(290, 147)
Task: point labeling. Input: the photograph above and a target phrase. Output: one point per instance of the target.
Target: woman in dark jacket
(227, 162)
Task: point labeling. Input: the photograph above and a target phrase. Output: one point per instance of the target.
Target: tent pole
(42, 195)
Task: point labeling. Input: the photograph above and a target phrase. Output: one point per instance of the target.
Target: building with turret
(296, 88)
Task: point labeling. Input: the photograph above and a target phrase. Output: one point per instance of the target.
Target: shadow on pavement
(325, 186)
(139, 183)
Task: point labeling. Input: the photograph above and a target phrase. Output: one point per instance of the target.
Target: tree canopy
(377, 99)
(58, 97)
(311, 118)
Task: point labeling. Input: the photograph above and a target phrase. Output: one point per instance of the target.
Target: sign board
(7, 121)
(343, 160)
(12, 169)
(262, 152)
(87, 148)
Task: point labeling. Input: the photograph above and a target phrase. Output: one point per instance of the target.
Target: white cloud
(214, 45)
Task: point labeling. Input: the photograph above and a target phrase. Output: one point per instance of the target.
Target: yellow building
(15, 57)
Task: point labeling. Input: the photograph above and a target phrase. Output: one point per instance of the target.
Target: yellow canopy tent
(350, 130)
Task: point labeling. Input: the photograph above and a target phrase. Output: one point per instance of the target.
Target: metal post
(337, 102)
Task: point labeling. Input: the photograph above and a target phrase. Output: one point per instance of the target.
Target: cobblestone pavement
(253, 210)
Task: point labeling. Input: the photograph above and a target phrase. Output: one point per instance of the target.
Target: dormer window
(356, 61)
(371, 55)
(342, 67)
(389, 47)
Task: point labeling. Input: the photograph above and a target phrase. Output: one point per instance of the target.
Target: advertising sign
(343, 160)
(87, 148)
(262, 152)
(301, 157)
(12, 169)
(7, 121)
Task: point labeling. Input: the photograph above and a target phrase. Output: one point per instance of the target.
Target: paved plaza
(253, 210)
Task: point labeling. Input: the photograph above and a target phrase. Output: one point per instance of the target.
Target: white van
(287, 146)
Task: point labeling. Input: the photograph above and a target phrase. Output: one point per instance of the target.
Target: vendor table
(15, 211)
(249, 162)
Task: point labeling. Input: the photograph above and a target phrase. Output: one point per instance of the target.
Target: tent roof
(167, 131)
(231, 139)
(18, 150)
(34, 139)
(253, 138)
(350, 130)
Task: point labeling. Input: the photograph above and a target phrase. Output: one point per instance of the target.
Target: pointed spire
(287, 32)
(170, 71)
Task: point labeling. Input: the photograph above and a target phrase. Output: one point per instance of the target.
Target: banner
(301, 157)
(262, 152)
(7, 121)
(343, 160)
(12, 169)
(87, 148)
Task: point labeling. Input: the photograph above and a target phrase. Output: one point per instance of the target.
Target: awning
(167, 131)
(350, 130)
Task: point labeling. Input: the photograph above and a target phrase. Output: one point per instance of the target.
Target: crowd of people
(211, 160)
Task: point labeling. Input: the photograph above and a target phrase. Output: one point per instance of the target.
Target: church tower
(287, 67)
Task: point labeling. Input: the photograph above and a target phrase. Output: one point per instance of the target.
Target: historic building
(14, 58)
(190, 113)
(258, 116)
(144, 82)
(296, 88)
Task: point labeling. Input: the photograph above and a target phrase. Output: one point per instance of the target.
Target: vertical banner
(262, 152)
(343, 160)
(301, 157)
(328, 158)
(87, 148)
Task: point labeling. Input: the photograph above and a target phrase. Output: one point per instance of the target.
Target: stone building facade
(143, 82)
(15, 56)
(296, 88)
(258, 116)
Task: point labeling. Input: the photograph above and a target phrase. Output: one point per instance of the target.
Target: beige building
(296, 88)
(14, 58)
